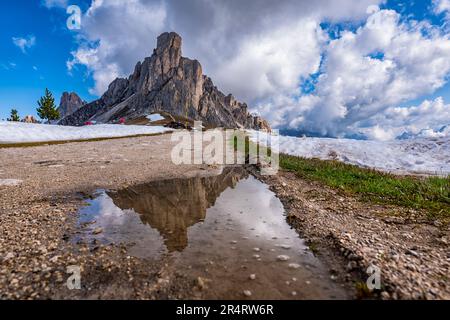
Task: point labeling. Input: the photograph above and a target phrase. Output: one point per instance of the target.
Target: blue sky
(229, 51)
(24, 76)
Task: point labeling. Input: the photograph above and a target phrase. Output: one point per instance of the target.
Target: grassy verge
(430, 194)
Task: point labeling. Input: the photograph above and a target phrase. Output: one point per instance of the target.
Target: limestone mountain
(168, 82)
(70, 102)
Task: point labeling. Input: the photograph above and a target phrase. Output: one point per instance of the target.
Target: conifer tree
(14, 115)
(47, 108)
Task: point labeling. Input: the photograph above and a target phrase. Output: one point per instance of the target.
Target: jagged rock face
(168, 82)
(70, 102)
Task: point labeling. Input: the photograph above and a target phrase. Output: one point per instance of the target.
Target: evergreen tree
(47, 108)
(14, 115)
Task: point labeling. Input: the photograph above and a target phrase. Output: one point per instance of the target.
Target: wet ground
(229, 232)
(44, 187)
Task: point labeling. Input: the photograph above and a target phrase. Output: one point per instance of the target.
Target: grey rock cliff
(70, 102)
(168, 82)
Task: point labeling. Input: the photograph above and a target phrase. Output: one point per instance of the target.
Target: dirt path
(42, 188)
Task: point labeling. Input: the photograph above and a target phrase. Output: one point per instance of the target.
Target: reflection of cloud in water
(122, 226)
(261, 209)
(162, 214)
(164, 217)
(110, 214)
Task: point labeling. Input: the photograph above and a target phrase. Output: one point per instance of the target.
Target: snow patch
(155, 117)
(14, 132)
(416, 156)
(10, 182)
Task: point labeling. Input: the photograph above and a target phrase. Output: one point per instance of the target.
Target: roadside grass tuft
(362, 291)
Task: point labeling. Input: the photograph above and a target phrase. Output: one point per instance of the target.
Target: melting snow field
(10, 182)
(155, 117)
(416, 156)
(16, 132)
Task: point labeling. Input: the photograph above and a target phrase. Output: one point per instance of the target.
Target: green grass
(431, 194)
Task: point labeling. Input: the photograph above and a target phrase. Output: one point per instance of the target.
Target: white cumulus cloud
(430, 116)
(271, 45)
(441, 6)
(383, 64)
(263, 51)
(55, 3)
(24, 43)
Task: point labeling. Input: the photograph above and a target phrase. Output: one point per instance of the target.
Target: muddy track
(39, 214)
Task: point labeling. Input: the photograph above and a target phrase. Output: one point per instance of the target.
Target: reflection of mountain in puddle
(172, 206)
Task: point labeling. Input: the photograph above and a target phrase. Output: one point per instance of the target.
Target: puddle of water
(228, 229)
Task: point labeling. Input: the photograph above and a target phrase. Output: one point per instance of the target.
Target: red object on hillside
(88, 123)
(122, 121)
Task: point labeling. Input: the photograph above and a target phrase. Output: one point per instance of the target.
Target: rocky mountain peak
(70, 103)
(169, 41)
(168, 82)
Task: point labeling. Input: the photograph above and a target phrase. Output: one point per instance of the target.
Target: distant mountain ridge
(167, 82)
(70, 103)
(426, 133)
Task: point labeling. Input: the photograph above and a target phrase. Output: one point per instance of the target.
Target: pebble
(256, 249)
(385, 295)
(437, 223)
(412, 253)
(353, 257)
(54, 259)
(8, 256)
(352, 265)
(200, 283)
(294, 266)
(252, 277)
(247, 293)
(283, 258)
(294, 293)
(97, 231)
